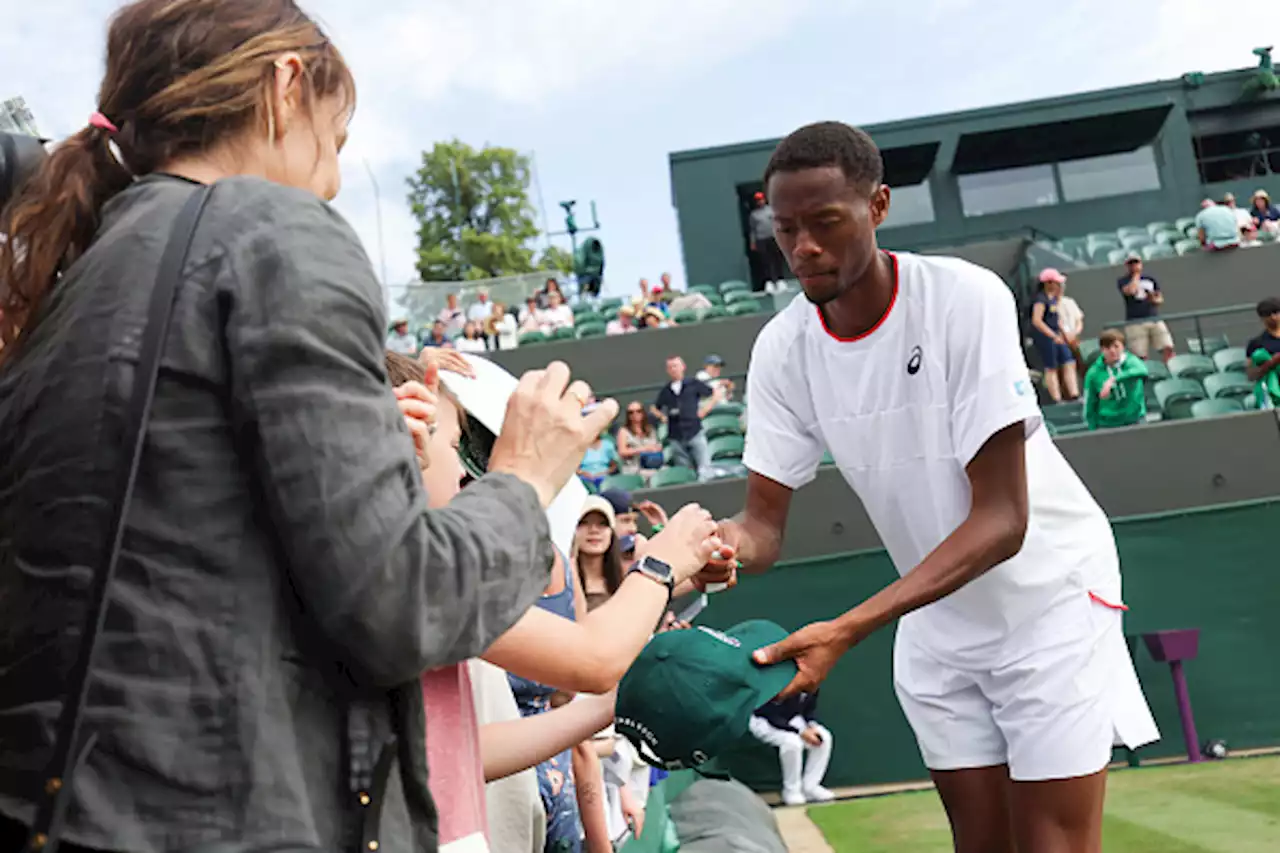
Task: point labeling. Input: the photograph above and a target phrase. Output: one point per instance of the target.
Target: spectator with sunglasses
(639, 447)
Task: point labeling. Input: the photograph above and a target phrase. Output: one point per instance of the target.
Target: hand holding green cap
(691, 694)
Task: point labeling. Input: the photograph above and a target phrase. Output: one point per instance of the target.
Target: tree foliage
(474, 216)
(556, 259)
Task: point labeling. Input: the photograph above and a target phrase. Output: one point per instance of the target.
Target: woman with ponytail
(281, 583)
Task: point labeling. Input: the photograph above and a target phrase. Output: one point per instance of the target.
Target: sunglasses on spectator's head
(475, 445)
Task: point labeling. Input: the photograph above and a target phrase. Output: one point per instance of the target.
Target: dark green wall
(1210, 570)
(704, 182)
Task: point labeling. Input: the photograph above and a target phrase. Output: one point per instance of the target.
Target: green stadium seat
(1154, 228)
(1101, 237)
(580, 308)
(532, 338)
(707, 290)
(717, 425)
(1134, 243)
(828, 459)
(1267, 237)
(1192, 231)
(1166, 238)
(726, 447)
(1061, 414)
(715, 312)
(590, 330)
(623, 482)
(1216, 408)
(745, 307)
(1230, 360)
(613, 303)
(564, 333)
(582, 318)
(1156, 251)
(685, 318)
(732, 286)
(1073, 247)
(1233, 386)
(1089, 351)
(1186, 247)
(734, 409)
(1116, 256)
(1176, 396)
(1191, 366)
(676, 475)
(728, 470)
(662, 432)
(1130, 231)
(1157, 370)
(733, 296)
(1181, 225)
(1208, 346)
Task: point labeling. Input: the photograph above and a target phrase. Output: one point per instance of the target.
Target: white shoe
(793, 798)
(819, 795)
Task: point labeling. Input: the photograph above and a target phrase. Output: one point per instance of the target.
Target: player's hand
(447, 359)
(815, 649)
(811, 736)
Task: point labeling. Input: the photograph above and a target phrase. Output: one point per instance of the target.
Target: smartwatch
(655, 570)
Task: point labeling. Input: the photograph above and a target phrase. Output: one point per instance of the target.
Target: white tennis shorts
(1055, 699)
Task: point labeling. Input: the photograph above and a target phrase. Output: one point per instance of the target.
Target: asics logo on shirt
(913, 365)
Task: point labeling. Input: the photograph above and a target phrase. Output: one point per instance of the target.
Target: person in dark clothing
(681, 405)
(282, 584)
(803, 744)
(1262, 355)
(770, 265)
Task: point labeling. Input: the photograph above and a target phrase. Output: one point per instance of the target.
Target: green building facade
(1052, 169)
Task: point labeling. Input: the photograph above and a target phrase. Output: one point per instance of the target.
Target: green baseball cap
(690, 695)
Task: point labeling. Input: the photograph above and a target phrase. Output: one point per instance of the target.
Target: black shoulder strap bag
(74, 743)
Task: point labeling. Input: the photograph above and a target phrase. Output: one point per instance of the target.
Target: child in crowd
(589, 654)
(1113, 388)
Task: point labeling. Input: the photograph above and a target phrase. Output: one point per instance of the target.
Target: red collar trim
(893, 300)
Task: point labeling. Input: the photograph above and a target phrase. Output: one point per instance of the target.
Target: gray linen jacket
(280, 566)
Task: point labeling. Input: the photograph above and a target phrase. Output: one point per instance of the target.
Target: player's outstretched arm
(757, 532)
(992, 533)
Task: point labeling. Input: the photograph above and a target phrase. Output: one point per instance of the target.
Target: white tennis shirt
(903, 409)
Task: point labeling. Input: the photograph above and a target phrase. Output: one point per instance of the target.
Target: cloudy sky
(600, 91)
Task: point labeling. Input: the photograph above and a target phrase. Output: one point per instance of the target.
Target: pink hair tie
(101, 122)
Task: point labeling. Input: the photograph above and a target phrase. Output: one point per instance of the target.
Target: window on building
(1238, 155)
(1110, 175)
(911, 205)
(985, 193)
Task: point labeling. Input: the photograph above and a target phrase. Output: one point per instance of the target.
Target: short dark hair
(1109, 337)
(1268, 306)
(829, 143)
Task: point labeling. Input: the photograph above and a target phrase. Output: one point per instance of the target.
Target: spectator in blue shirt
(600, 460)
(1217, 227)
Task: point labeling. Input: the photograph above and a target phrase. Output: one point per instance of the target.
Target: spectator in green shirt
(1113, 392)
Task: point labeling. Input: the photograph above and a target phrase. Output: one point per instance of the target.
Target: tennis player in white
(1009, 662)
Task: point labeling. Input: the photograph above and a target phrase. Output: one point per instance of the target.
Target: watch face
(655, 568)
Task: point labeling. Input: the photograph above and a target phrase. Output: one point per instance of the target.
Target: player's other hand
(686, 543)
(815, 649)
